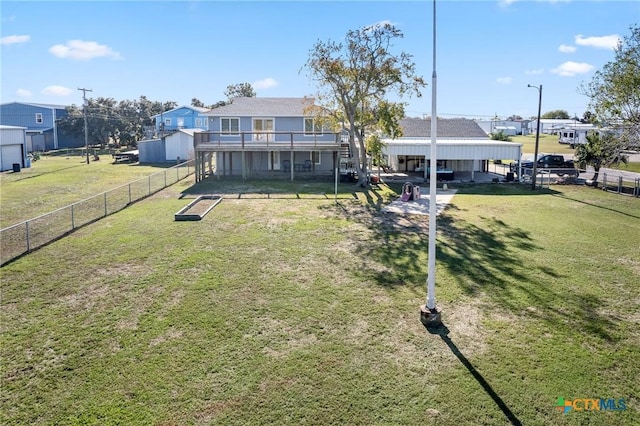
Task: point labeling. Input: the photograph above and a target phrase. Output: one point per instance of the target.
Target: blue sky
(487, 51)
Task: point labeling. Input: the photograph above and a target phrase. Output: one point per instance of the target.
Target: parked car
(554, 163)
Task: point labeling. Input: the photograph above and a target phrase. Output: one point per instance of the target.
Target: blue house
(41, 122)
(184, 117)
(266, 136)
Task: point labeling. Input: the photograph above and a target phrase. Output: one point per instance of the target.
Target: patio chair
(286, 166)
(306, 167)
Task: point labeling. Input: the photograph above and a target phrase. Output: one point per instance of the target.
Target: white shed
(13, 148)
(179, 145)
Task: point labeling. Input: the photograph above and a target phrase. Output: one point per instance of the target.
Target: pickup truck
(555, 163)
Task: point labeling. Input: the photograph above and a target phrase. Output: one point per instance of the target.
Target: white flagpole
(429, 315)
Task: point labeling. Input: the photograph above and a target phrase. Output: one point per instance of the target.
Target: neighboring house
(257, 136)
(13, 148)
(183, 117)
(520, 127)
(175, 147)
(41, 122)
(550, 126)
(461, 146)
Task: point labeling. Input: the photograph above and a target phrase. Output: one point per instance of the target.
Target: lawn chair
(306, 167)
(286, 166)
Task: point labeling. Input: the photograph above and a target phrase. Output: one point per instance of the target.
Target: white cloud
(603, 42)
(537, 71)
(57, 91)
(504, 80)
(569, 69)
(23, 93)
(14, 39)
(265, 83)
(81, 50)
(566, 49)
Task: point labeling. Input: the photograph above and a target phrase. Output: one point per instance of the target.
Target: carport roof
(447, 128)
(455, 149)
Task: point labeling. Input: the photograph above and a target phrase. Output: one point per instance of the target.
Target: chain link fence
(27, 236)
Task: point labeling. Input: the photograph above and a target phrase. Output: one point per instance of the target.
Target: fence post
(149, 192)
(165, 179)
(619, 184)
(105, 204)
(73, 222)
(27, 233)
(129, 193)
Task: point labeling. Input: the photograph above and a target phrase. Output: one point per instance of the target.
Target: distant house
(551, 126)
(462, 146)
(41, 123)
(257, 136)
(13, 149)
(184, 117)
(515, 127)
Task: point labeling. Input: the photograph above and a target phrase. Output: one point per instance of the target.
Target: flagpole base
(430, 317)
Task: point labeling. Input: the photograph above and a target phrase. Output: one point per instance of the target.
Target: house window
(167, 122)
(315, 157)
(261, 128)
(230, 126)
(38, 118)
(198, 122)
(312, 126)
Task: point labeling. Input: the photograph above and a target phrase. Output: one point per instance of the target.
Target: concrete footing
(430, 317)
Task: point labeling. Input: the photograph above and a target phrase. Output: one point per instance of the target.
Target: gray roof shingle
(447, 128)
(265, 107)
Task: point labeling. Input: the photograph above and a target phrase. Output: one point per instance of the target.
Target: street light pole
(535, 155)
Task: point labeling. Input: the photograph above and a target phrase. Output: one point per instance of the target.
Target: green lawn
(56, 181)
(281, 307)
(547, 143)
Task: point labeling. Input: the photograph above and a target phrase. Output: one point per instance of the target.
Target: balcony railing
(247, 140)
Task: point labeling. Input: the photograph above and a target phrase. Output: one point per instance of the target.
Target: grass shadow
(485, 258)
(442, 331)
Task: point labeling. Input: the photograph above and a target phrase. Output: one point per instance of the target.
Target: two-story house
(183, 117)
(256, 136)
(41, 122)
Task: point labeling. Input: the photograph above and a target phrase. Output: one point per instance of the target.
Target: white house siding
(465, 154)
(12, 147)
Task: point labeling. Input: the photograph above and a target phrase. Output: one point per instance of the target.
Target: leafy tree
(600, 150)
(239, 90)
(197, 103)
(499, 136)
(588, 117)
(353, 79)
(108, 121)
(615, 89)
(558, 113)
(374, 146)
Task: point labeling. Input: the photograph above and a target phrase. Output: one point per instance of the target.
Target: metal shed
(13, 147)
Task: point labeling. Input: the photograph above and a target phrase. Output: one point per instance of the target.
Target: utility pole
(84, 113)
(535, 155)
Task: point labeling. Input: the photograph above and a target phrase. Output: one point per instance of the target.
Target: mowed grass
(57, 181)
(283, 307)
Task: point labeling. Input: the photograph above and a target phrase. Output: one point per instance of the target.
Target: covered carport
(458, 155)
